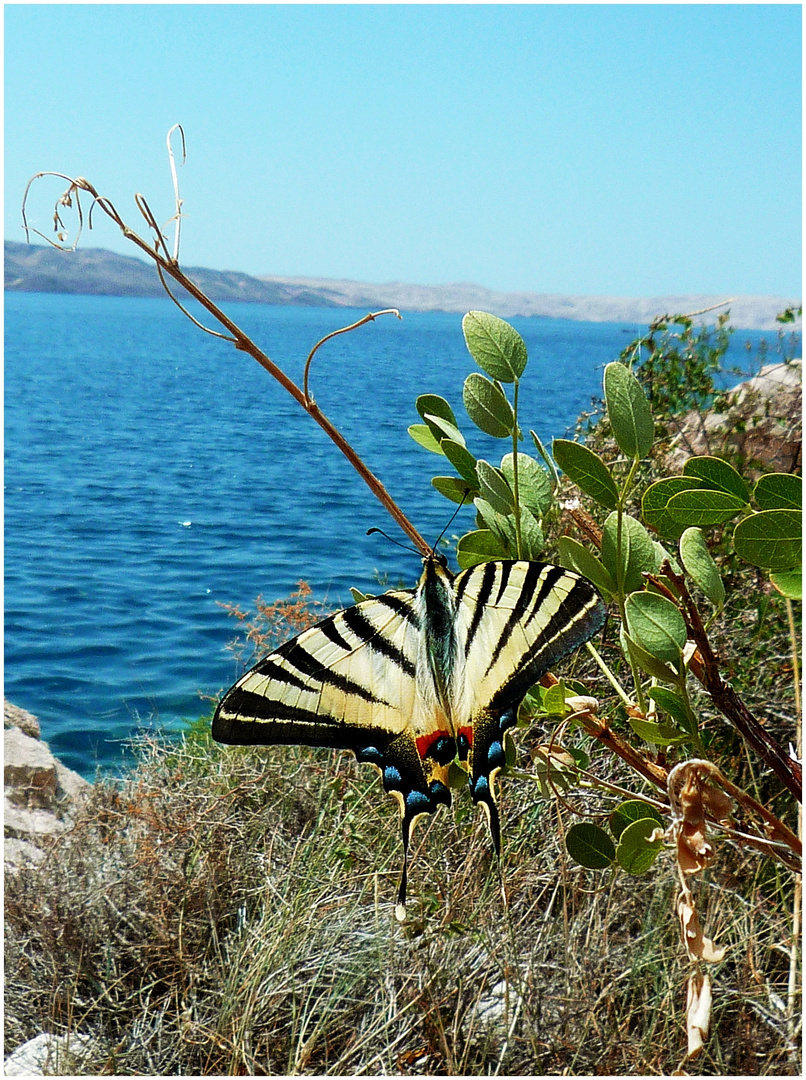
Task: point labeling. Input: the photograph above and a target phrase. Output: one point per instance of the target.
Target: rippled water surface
(152, 472)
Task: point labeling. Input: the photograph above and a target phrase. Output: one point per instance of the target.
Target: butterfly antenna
(452, 518)
(392, 540)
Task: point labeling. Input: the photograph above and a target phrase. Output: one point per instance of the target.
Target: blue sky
(628, 150)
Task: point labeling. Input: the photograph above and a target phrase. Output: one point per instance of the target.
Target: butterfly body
(412, 679)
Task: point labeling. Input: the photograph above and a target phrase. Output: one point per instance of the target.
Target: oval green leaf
(779, 491)
(639, 554)
(494, 487)
(574, 556)
(436, 406)
(587, 470)
(590, 846)
(635, 853)
(628, 411)
(659, 734)
(656, 625)
(655, 505)
(647, 662)
(458, 491)
(479, 546)
(700, 567)
(629, 811)
(704, 506)
(462, 460)
(487, 406)
(554, 699)
(444, 429)
(771, 539)
(715, 473)
(423, 435)
(673, 704)
(534, 485)
(496, 346)
(789, 583)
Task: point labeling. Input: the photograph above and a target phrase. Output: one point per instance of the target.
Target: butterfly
(413, 679)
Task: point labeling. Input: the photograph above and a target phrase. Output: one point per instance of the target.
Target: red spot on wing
(425, 742)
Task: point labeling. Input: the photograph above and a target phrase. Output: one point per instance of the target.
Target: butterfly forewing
(327, 686)
(519, 619)
(516, 621)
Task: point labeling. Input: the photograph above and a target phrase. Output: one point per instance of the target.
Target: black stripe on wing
(579, 616)
(528, 606)
(256, 716)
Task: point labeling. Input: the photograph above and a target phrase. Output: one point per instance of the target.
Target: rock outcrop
(760, 421)
(40, 794)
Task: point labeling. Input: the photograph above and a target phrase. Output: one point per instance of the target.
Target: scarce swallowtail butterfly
(413, 679)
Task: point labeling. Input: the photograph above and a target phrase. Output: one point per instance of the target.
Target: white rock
(49, 1055)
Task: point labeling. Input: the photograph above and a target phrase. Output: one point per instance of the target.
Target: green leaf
(659, 734)
(590, 846)
(771, 539)
(629, 811)
(635, 853)
(444, 429)
(479, 546)
(574, 556)
(423, 435)
(435, 406)
(554, 699)
(462, 460)
(779, 491)
(647, 661)
(704, 506)
(581, 759)
(656, 625)
(487, 406)
(674, 705)
(655, 505)
(494, 487)
(638, 552)
(789, 583)
(628, 411)
(715, 473)
(534, 485)
(700, 567)
(532, 539)
(587, 470)
(496, 346)
(458, 491)
(552, 468)
(502, 526)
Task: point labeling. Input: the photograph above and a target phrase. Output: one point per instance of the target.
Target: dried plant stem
(167, 264)
(788, 771)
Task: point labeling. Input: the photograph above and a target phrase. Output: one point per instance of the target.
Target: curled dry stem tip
(371, 317)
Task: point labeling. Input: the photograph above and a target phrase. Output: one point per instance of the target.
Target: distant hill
(93, 271)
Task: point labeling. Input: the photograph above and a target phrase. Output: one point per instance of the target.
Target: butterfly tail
(400, 906)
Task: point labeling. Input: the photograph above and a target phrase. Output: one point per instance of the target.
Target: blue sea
(153, 473)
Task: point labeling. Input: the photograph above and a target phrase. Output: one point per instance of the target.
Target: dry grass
(228, 911)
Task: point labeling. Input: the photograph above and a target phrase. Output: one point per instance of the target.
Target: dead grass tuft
(231, 911)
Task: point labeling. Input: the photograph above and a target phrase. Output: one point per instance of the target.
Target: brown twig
(167, 264)
(726, 699)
